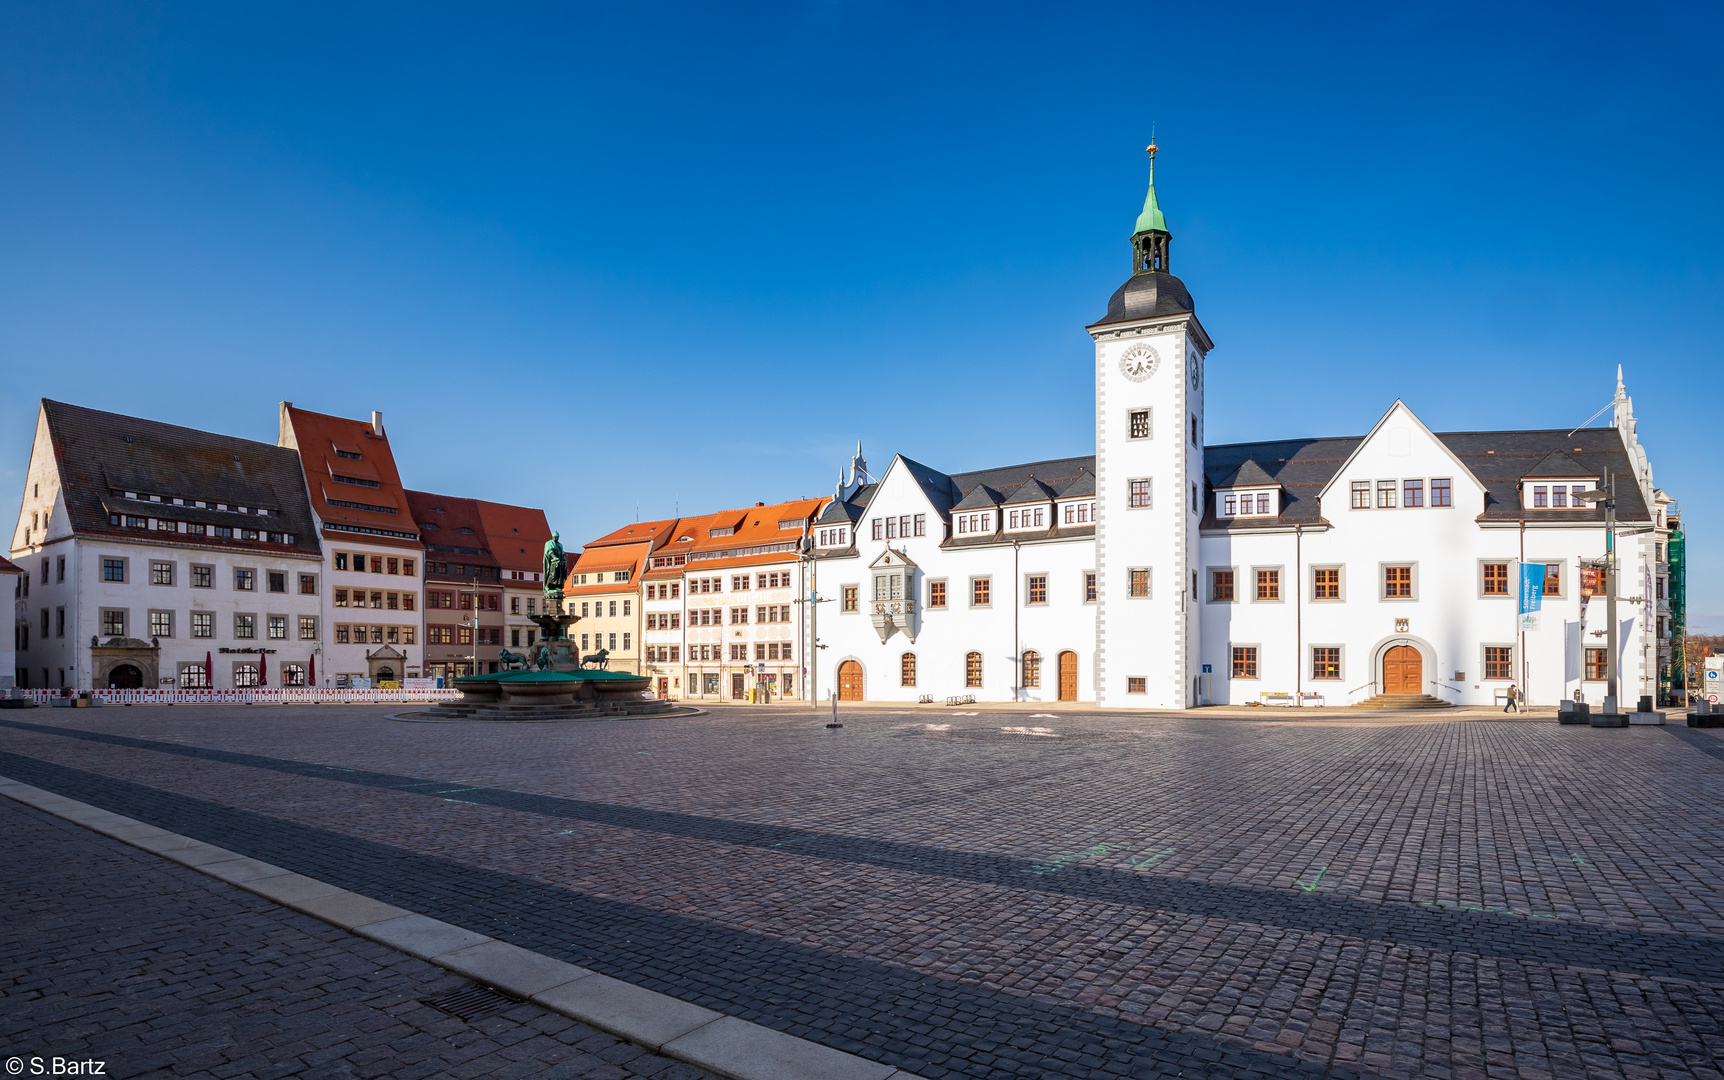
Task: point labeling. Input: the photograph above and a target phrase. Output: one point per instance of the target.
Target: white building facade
(1163, 574)
(158, 556)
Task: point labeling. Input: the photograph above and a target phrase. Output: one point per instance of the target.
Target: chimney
(377, 423)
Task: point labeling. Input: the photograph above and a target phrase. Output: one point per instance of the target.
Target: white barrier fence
(297, 695)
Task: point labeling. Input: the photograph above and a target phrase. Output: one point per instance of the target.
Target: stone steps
(1403, 701)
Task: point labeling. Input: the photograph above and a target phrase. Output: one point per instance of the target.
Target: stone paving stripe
(240, 869)
(288, 888)
(741, 1050)
(510, 968)
(636, 1013)
(815, 994)
(735, 1047)
(1706, 744)
(1559, 942)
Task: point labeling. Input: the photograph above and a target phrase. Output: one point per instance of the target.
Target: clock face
(1139, 362)
(1194, 372)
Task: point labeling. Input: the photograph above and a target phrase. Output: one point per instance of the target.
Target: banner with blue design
(1531, 594)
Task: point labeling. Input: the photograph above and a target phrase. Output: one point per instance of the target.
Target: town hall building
(1164, 573)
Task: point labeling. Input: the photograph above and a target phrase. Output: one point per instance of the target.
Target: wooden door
(849, 681)
(1403, 671)
(1068, 676)
(737, 688)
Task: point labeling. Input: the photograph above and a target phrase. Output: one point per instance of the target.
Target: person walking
(1513, 700)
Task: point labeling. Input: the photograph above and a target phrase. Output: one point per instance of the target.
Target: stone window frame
(251, 635)
(1340, 583)
(987, 582)
(1091, 580)
(155, 565)
(1209, 572)
(125, 562)
(1148, 582)
(1507, 564)
(1256, 660)
(208, 621)
(1382, 581)
(1514, 662)
(169, 614)
(269, 625)
(945, 594)
(237, 571)
(104, 615)
(192, 575)
(1280, 584)
(1148, 412)
(1311, 660)
(1030, 576)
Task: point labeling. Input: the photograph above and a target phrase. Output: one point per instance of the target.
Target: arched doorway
(1403, 671)
(850, 681)
(125, 677)
(1068, 676)
(384, 673)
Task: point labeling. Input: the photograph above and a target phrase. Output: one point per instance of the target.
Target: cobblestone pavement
(962, 893)
(113, 955)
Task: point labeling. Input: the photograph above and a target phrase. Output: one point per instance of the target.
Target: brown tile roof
(660, 532)
(7, 566)
(451, 527)
(100, 452)
(517, 533)
(318, 437)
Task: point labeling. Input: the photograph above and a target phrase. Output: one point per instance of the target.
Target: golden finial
(1151, 148)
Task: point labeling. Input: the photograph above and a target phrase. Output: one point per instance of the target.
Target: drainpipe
(1017, 602)
(1517, 587)
(1298, 619)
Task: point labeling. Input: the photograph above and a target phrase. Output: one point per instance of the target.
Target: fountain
(552, 681)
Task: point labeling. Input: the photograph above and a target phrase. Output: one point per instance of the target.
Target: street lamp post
(1606, 496)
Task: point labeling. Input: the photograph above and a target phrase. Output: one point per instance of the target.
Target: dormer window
(1551, 495)
(1248, 503)
(832, 537)
(1027, 518)
(975, 523)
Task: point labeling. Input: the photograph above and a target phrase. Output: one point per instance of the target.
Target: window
(973, 669)
(1496, 579)
(738, 615)
(1499, 662)
(1245, 661)
(113, 569)
(1036, 591)
(1221, 586)
(1326, 662)
(1326, 583)
(1361, 494)
(59, 622)
(1541, 496)
(341, 632)
(1553, 580)
(1440, 494)
(879, 528)
(1139, 423)
(277, 581)
(921, 524)
(245, 580)
(1134, 684)
(1268, 584)
(1398, 582)
(1089, 586)
(245, 626)
(1140, 494)
(113, 622)
(341, 561)
(1412, 493)
(1032, 670)
(59, 568)
(1194, 429)
(194, 677)
(161, 573)
(377, 565)
(936, 594)
(203, 624)
(407, 567)
(244, 675)
(406, 601)
(1139, 579)
(308, 628)
(848, 603)
(277, 627)
(979, 591)
(161, 624)
(1385, 494)
(293, 674)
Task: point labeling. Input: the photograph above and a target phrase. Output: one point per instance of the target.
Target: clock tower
(1149, 358)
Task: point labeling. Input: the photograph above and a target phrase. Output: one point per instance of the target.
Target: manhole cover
(471, 1003)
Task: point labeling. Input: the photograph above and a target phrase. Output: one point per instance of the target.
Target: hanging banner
(1589, 583)
(1531, 594)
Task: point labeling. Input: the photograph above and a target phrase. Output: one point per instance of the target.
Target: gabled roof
(981, 497)
(1247, 474)
(320, 438)
(1558, 464)
(1082, 487)
(936, 486)
(658, 533)
(7, 566)
(1032, 491)
(449, 525)
(1055, 472)
(892, 557)
(97, 452)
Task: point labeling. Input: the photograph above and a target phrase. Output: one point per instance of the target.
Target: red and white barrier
(293, 695)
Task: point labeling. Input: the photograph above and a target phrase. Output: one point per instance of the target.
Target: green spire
(1151, 218)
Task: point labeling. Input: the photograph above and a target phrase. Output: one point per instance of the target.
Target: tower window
(1140, 423)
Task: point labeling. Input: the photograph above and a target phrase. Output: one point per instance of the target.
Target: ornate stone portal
(125, 663)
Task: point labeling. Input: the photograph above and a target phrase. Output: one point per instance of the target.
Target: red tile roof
(317, 437)
(517, 533)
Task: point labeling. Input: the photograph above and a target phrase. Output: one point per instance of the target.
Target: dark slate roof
(1055, 472)
(842, 513)
(1003, 538)
(1555, 464)
(936, 485)
(98, 452)
(981, 497)
(1303, 467)
(1147, 295)
(1032, 491)
(1083, 486)
(1247, 474)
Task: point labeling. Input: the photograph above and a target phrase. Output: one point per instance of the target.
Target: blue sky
(671, 256)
